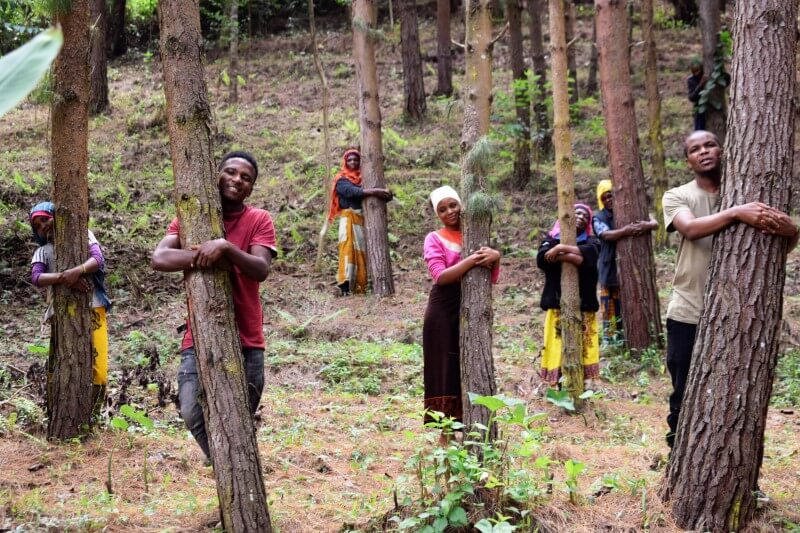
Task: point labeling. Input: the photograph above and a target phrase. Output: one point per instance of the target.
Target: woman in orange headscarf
(346, 196)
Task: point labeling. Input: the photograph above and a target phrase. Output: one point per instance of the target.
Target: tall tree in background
(658, 168)
(477, 315)
(570, 18)
(591, 80)
(718, 450)
(716, 107)
(117, 42)
(571, 318)
(685, 10)
(540, 136)
(444, 59)
(522, 100)
(413, 85)
(369, 112)
(636, 265)
(233, 51)
(69, 376)
(98, 92)
(232, 437)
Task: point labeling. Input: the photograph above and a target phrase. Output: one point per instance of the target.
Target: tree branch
(499, 36)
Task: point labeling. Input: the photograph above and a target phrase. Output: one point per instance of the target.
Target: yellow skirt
(99, 346)
(551, 351)
(352, 256)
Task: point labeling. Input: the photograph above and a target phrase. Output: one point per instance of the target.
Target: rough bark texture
(541, 137)
(70, 367)
(658, 169)
(326, 135)
(717, 454)
(98, 93)
(571, 319)
(635, 263)
(591, 80)
(413, 86)
(710, 23)
(232, 438)
(369, 112)
(117, 43)
(570, 15)
(477, 363)
(522, 101)
(233, 52)
(444, 59)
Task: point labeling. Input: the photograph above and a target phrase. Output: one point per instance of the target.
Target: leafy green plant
(786, 391)
(22, 69)
(135, 416)
(573, 470)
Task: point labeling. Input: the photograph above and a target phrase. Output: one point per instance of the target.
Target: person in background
(347, 194)
(695, 84)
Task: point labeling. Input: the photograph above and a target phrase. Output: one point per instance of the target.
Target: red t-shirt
(247, 228)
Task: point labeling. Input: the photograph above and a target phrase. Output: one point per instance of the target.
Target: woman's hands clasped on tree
(381, 194)
(485, 257)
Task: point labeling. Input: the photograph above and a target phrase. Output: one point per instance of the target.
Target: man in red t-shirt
(246, 252)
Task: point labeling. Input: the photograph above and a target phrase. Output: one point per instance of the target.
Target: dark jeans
(190, 391)
(680, 343)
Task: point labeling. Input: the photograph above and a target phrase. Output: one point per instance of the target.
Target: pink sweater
(441, 253)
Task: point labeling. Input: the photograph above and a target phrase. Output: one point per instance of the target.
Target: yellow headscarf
(603, 187)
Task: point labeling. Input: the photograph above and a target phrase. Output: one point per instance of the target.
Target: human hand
(381, 194)
(755, 214)
(551, 255)
(71, 276)
(487, 257)
(779, 223)
(82, 285)
(209, 253)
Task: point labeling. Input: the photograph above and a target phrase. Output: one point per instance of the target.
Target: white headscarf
(444, 192)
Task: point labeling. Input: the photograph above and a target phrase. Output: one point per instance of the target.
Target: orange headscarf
(353, 176)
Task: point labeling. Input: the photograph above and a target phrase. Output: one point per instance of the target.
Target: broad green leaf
(484, 526)
(21, 69)
(574, 468)
(560, 398)
(503, 527)
(492, 403)
(119, 423)
(458, 517)
(37, 349)
(440, 524)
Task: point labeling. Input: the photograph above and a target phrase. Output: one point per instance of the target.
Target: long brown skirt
(442, 367)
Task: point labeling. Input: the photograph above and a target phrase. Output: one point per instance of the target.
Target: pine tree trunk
(719, 442)
(635, 263)
(710, 23)
(444, 59)
(117, 43)
(658, 170)
(98, 20)
(233, 52)
(541, 137)
(477, 363)
(232, 437)
(571, 318)
(522, 101)
(326, 135)
(571, 15)
(69, 386)
(414, 88)
(591, 80)
(369, 111)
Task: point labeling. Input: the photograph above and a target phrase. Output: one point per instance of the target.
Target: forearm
(48, 279)
(708, 225)
(614, 235)
(172, 259)
(454, 273)
(570, 257)
(254, 267)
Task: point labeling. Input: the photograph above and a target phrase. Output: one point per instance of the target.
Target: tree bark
(98, 20)
(475, 335)
(69, 386)
(326, 135)
(710, 24)
(571, 318)
(444, 59)
(542, 138)
(117, 43)
(591, 80)
(369, 111)
(233, 52)
(522, 102)
(571, 15)
(685, 10)
(232, 437)
(413, 85)
(635, 263)
(719, 442)
(658, 168)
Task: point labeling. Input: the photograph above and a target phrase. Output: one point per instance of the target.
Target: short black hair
(695, 132)
(239, 154)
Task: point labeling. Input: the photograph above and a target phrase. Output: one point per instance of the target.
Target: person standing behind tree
(440, 331)
(246, 252)
(88, 276)
(693, 211)
(346, 197)
(695, 84)
(584, 256)
(604, 228)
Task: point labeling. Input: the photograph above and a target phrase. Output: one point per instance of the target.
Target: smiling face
(353, 161)
(703, 153)
(236, 180)
(449, 212)
(581, 219)
(608, 200)
(43, 226)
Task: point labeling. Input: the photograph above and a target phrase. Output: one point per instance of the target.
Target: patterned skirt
(352, 273)
(551, 351)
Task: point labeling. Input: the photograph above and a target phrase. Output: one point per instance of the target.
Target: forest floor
(341, 414)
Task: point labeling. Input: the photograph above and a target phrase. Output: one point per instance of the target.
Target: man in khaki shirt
(693, 211)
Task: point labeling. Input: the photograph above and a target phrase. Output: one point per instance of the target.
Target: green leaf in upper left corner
(21, 69)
